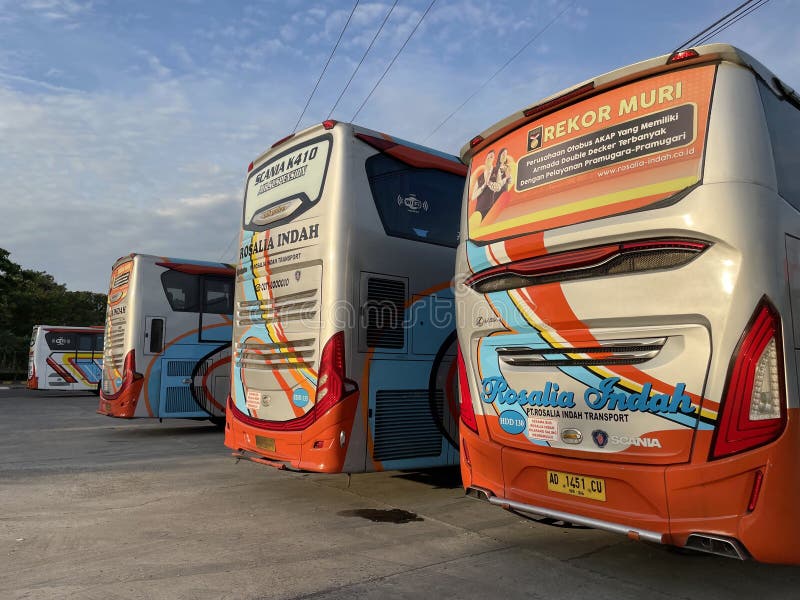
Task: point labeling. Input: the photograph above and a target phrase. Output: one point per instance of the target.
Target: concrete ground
(92, 507)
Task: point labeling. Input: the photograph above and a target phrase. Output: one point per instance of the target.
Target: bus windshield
(287, 184)
(619, 151)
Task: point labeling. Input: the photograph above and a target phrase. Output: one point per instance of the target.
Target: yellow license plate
(265, 443)
(576, 485)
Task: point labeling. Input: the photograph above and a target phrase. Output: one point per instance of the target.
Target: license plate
(576, 485)
(265, 443)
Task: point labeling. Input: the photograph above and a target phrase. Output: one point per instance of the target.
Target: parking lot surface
(94, 507)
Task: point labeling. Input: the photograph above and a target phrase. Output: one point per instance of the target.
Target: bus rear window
(416, 204)
(616, 152)
(287, 184)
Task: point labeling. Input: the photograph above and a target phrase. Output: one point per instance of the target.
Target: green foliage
(29, 298)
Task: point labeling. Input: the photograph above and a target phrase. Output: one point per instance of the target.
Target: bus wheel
(218, 421)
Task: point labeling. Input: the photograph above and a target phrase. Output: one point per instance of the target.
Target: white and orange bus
(168, 338)
(65, 358)
(344, 327)
(629, 306)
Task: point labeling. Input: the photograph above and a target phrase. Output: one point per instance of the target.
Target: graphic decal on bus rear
(559, 405)
(276, 295)
(615, 152)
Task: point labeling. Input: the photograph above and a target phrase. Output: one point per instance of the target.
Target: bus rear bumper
(704, 505)
(123, 404)
(320, 447)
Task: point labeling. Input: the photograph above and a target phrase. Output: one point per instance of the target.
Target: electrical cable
(393, 60)
(722, 28)
(325, 68)
(363, 56)
(498, 71)
(720, 24)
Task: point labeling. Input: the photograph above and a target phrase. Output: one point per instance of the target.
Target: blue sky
(128, 126)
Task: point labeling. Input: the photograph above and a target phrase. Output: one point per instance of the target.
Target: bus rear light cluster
(597, 261)
(753, 411)
(467, 410)
(330, 385)
(681, 55)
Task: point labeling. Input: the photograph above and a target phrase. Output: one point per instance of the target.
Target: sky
(128, 126)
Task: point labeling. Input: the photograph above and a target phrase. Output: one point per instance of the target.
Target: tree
(29, 298)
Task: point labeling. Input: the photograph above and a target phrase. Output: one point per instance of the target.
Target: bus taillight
(682, 55)
(753, 411)
(467, 411)
(332, 385)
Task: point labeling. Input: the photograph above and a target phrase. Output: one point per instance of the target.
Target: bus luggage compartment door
(176, 398)
(405, 422)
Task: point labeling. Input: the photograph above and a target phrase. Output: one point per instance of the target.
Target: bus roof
(186, 265)
(448, 162)
(71, 328)
(591, 87)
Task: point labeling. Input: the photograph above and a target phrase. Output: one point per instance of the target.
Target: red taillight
(129, 364)
(331, 381)
(283, 139)
(753, 410)
(329, 123)
(583, 259)
(250, 166)
(682, 55)
(563, 99)
(475, 141)
(467, 410)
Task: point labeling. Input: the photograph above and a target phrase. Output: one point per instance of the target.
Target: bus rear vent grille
(405, 426)
(383, 313)
(180, 400)
(180, 368)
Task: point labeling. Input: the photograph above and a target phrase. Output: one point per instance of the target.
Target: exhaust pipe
(478, 493)
(714, 544)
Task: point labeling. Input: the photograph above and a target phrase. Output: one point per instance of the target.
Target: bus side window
(57, 341)
(182, 291)
(98, 342)
(156, 336)
(85, 343)
(416, 204)
(218, 296)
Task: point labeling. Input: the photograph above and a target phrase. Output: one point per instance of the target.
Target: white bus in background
(168, 338)
(65, 358)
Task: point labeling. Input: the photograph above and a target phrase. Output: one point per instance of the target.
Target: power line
(722, 23)
(325, 68)
(711, 34)
(363, 56)
(224, 252)
(393, 59)
(498, 71)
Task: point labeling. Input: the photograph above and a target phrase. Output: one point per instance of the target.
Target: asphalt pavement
(94, 507)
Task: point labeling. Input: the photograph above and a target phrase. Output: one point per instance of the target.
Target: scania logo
(571, 436)
(600, 438)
